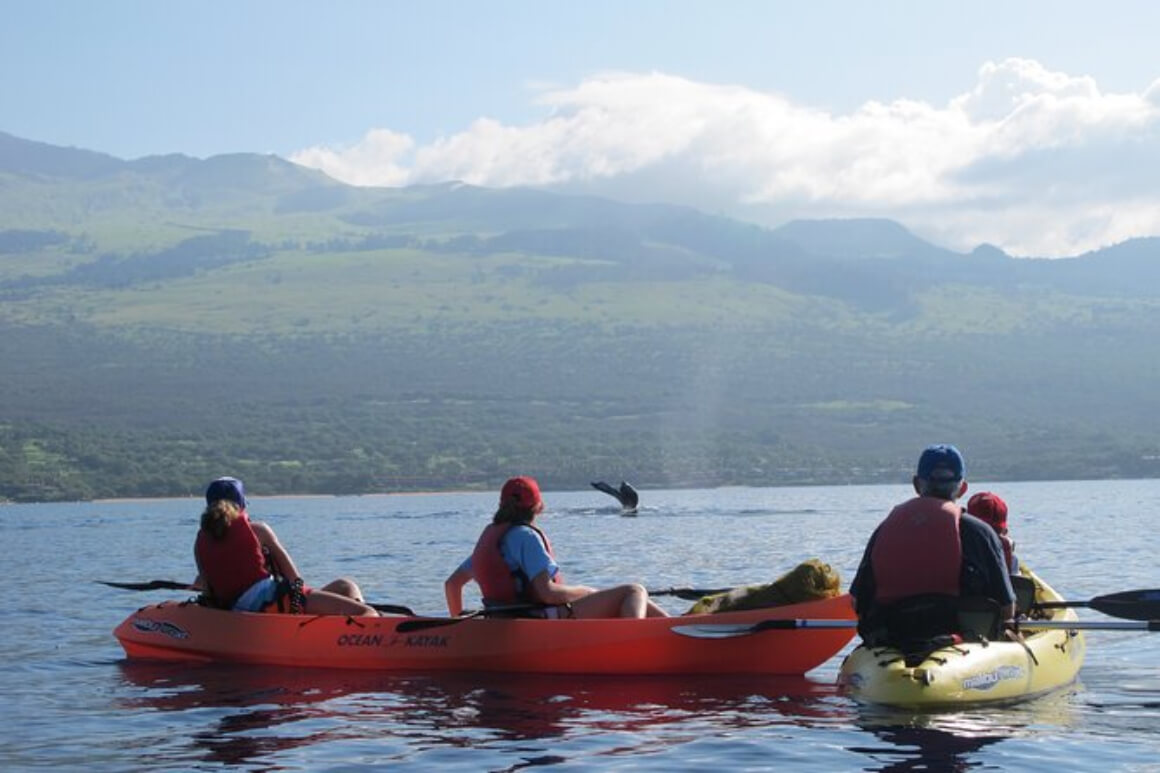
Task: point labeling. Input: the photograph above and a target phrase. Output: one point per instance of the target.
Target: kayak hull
(971, 673)
(188, 632)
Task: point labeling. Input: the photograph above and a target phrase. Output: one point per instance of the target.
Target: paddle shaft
(1137, 605)
(394, 609)
(689, 594)
(1127, 605)
(723, 631)
(411, 626)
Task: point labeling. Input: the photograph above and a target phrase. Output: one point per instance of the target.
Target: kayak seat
(919, 625)
(1024, 588)
(913, 625)
(979, 618)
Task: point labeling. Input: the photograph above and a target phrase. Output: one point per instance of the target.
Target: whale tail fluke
(626, 494)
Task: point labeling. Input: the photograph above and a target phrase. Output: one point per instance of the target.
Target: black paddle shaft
(394, 609)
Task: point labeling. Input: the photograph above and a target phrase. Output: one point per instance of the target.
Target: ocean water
(72, 700)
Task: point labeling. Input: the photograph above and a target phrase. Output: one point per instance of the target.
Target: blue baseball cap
(941, 462)
(230, 489)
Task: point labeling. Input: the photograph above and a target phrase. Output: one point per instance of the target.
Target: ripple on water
(73, 702)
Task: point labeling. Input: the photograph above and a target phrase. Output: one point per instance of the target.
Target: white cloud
(380, 158)
(1035, 161)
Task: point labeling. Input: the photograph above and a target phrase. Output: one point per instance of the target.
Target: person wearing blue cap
(925, 558)
(242, 565)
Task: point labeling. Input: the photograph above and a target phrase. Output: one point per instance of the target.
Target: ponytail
(510, 512)
(218, 516)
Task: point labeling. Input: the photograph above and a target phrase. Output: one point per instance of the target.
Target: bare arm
(281, 559)
(453, 590)
(548, 592)
(199, 581)
(198, 584)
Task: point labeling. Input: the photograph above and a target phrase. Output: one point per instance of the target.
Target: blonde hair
(218, 516)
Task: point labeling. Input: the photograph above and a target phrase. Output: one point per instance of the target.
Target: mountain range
(169, 319)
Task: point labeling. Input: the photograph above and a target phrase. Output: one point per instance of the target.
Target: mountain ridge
(169, 319)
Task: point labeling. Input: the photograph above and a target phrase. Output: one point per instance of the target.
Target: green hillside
(167, 320)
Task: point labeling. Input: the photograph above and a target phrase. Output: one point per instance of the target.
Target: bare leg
(655, 611)
(324, 602)
(621, 601)
(344, 587)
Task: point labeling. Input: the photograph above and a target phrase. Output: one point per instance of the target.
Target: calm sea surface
(71, 700)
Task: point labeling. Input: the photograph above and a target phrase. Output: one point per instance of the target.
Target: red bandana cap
(990, 508)
(523, 492)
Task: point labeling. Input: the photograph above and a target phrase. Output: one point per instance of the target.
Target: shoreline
(485, 490)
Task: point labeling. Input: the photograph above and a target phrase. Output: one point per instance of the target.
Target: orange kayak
(187, 632)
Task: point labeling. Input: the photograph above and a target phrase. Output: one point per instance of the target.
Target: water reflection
(918, 747)
(951, 740)
(240, 715)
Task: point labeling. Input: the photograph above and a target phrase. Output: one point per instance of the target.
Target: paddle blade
(151, 585)
(689, 594)
(1130, 605)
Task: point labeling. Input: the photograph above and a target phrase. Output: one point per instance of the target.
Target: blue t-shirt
(523, 551)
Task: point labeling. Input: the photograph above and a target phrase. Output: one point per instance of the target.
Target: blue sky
(1024, 124)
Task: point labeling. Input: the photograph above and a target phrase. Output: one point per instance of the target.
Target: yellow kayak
(972, 673)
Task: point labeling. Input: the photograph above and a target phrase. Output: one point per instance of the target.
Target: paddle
(1129, 604)
(410, 626)
(692, 594)
(151, 585)
(393, 609)
(727, 631)
(689, 594)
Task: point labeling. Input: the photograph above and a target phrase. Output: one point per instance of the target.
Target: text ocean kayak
(971, 673)
(188, 632)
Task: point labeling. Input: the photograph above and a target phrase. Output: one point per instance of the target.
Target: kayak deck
(971, 673)
(184, 631)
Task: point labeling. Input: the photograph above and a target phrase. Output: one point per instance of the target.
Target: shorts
(559, 612)
(258, 596)
(267, 595)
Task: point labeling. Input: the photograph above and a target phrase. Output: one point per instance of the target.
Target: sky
(1033, 126)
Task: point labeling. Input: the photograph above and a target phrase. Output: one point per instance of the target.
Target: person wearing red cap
(991, 509)
(242, 566)
(513, 564)
(926, 556)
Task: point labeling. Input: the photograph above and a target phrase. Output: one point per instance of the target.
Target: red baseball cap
(523, 492)
(990, 508)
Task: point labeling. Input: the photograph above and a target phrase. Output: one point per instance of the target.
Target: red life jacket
(918, 550)
(230, 565)
(498, 582)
